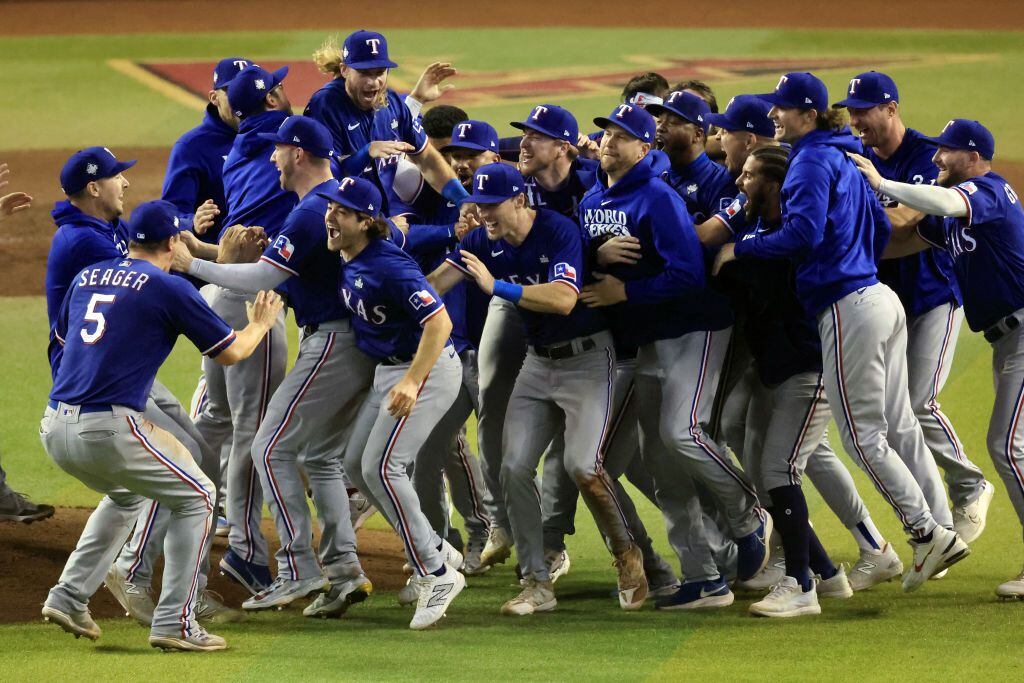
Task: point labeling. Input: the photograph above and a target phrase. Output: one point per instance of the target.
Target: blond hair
(328, 57)
(830, 119)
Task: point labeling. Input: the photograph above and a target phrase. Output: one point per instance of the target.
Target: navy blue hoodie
(832, 223)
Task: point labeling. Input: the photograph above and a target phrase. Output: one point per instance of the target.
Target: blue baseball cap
(748, 113)
(633, 119)
(494, 183)
(153, 222)
(304, 132)
(553, 121)
(227, 69)
(686, 106)
(868, 90)
(87, 165)
(799, 90)
(478, 135)
(366, 50)
(969, 135)
(357, 194)
(250, 86)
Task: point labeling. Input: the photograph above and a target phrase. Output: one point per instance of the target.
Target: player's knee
(513, 471)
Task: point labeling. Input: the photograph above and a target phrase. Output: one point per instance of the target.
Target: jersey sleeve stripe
(278, 265)
(458, 266)
(220, 346)
(426, 141)
(568, 283)
(967, 201)
(725, 223)
(920, 234)
(432, 314)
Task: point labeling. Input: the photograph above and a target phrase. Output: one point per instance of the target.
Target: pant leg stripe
(474, 494)
(605, 437)
(201, 402)
(146, 531)
(837, 329)
(931, 404)
(794, 454)
(1011, 438)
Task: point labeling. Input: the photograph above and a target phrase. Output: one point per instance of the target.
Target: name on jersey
(377, 314)
(114, 277)
(599, 222)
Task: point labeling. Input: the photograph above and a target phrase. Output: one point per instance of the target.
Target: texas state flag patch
(284, 247)
(566, 271)
(968, 187)
(421, 298)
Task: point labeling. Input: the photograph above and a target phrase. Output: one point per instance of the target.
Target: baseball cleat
(210, 607)
(536, 596)
(436, 593)
(409, 593)
(767, 577)
(498, 547)
(360, 509)
(201, 641)
(1012, 589)
(698, 595)
(753, 552)
(874, 567)
(135, 600)
(787, 599)
(969, 520)
(15, 507)
(223, 528)
(452, 557)
(943, 550)
(251, 576)
(938, 576)
(558, 564)
(632, 581)
(661, 578)
(836, 587)
(335, 601)
(76, 623)
(284, 592)
(473, 566)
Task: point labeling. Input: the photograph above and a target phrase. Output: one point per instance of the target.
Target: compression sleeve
(931, 199)
(241, 277)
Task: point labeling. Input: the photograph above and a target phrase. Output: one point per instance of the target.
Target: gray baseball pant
(864, 356)
(123, 455)
(308, 417)
(576, 395)
(1005, 438)
(237, 397)
(390, 446)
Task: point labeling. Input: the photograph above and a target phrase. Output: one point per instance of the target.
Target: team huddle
(684, 298)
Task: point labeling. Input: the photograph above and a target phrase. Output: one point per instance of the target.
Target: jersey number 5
(94, 316)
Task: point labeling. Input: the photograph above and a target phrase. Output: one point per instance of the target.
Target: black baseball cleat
(15, 507)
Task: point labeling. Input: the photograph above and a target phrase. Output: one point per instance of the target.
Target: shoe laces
(279, 582)
(780, 589)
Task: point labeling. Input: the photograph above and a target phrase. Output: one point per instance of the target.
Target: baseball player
(371, 125)
(661, 305)
(984, 233)
(789, 399)
(713, 148)
(401, 323)
(236, 398)
(567, 376)
(835, 228)
(927, 289)
(312, 409)
(118, 324)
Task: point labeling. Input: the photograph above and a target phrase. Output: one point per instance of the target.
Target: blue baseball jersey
(923, 280)
(832, 222)
(734, 217)
(395, 122)
(565, 199)
(195, 169)
(119, 323)
(705, 186)
(551, 252)
(252, 184)
(666, 291)
(390, 300)
(987, 247)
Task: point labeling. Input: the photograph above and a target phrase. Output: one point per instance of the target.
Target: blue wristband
(508, 291)
(454, 192)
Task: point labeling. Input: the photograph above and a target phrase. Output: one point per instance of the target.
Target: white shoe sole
(955, 553)
(168, 643)
(499, 556)
(545, 607)
(805, 611)
(67, 623)
(562, 570)
(280, 602)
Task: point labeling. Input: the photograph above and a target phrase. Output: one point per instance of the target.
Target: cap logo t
(537, 111)
(481, 179)
(463, 129)
(853, 85)
(373, 43)
(345, 182)
(782, 81)
(623, 108)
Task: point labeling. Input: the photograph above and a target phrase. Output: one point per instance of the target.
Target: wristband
(454, 192)
(508, 291)
(413, 105)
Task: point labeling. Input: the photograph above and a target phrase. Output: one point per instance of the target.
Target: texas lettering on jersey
(377, 314)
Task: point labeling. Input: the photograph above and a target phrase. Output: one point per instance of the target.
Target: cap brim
(659, 109)
(722, 121)
(857, 104)
(467, 145)
(486, 198)
(271, 137)
(523, 125)
(373, 64)
(121, 167)
(339, 199)
(603, 122)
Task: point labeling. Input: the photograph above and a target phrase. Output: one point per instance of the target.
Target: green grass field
(59, 93)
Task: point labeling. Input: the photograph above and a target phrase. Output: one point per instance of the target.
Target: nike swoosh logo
(607, 201)
(705, 594)
(497, 253)
(353, 126)
(919, 567)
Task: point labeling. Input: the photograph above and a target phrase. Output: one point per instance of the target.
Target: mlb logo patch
(284, 247)
(565, 270)
(421, 298)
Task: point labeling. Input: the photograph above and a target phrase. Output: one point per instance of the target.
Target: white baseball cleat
(200, 641)
(836, 587)
(943, 550)
(473, 566)
(498, 547)
(767, 577)
(452, 557)
(409, 593)
(283, 592)
(632, 583)
(558, 563)
(1012, 589)
(210, 607)
(969, 520)
(874, 567)
(435, 595)
(536, 596)
(787, 599)
(336, 600)
(135, 600)
(76, 623)
(360, 509)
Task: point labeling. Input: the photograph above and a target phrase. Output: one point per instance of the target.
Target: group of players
(577, 293)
